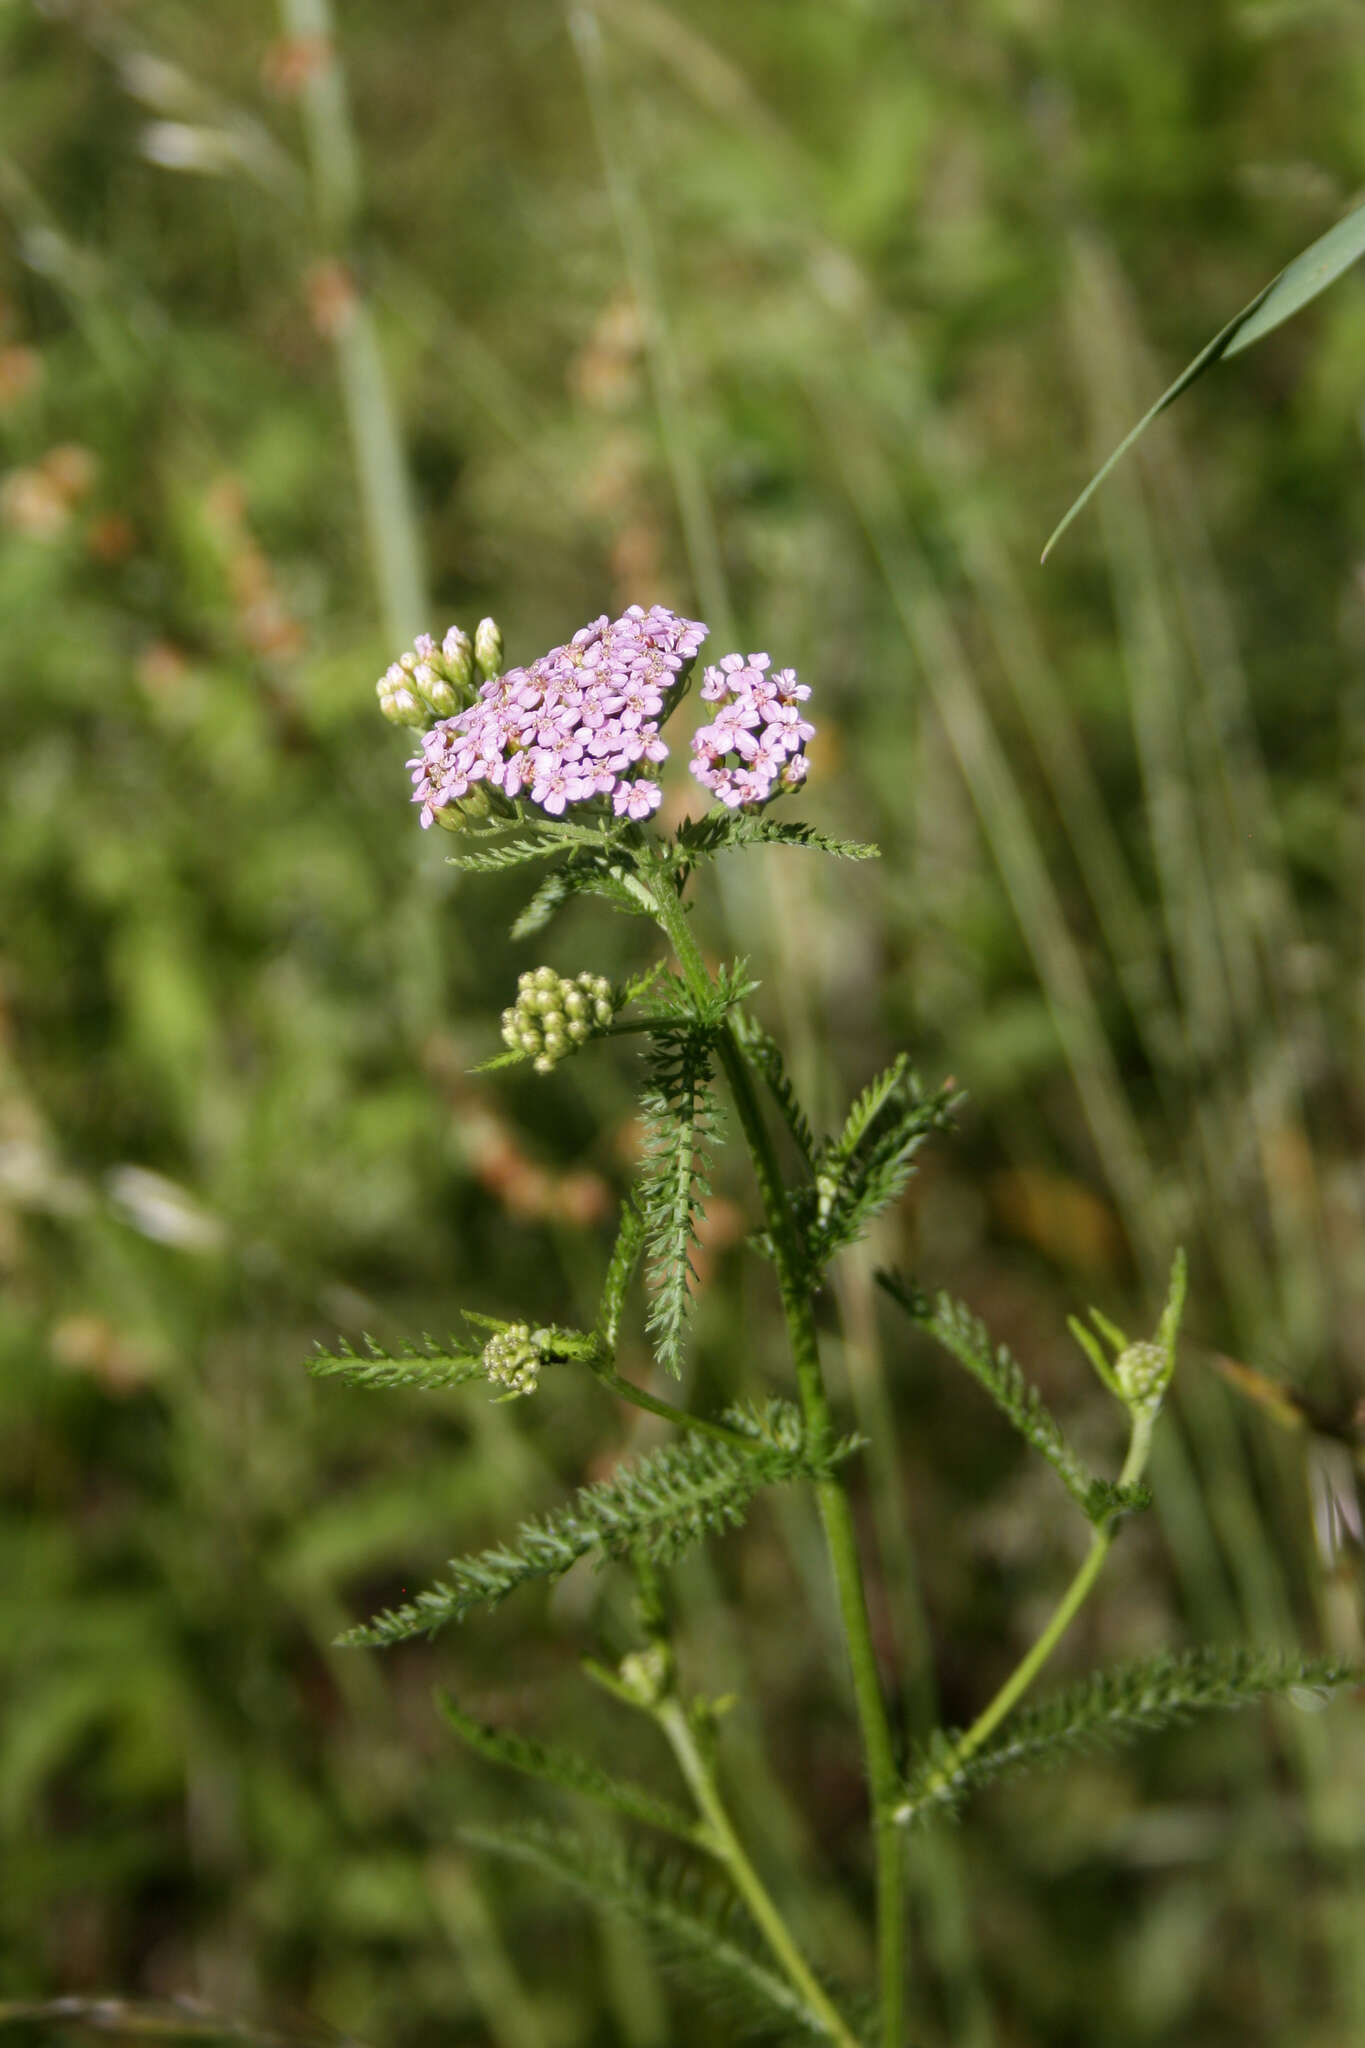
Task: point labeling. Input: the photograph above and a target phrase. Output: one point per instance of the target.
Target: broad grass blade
(1310, 273)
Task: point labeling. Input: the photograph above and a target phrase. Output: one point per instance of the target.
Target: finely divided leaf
(716, 829)
(589, 871)
(657, 1507)
(1116, 1706)
(862, 1116)
(625, 1257)
(680, 1123)
(430, 1367)
(867, 1167)
(486, 853)
(953, 1326)
(765, 1054)
(692, 1913)
(1317, 266)
(566, 1769)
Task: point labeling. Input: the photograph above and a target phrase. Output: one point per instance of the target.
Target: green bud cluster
(553, 1014)
(431, 682)
(1143, 1372)
(512, 1359)
(646, 1674)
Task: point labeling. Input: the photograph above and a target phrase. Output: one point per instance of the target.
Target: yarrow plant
(557, 761)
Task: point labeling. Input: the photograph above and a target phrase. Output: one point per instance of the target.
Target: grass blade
(1317, 266)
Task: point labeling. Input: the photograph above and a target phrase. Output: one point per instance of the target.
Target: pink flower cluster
(755, 744)
(569, 728)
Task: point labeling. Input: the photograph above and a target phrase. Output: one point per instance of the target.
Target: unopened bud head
(399, 704)
(1143, 1372)
(645, 1674)
(512, 1360)
(434, 691)
(457, 651)
(487, 650)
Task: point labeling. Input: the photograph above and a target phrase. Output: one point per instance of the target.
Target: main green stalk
(835, 1513)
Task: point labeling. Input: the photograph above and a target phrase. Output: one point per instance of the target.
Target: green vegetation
(811, 320)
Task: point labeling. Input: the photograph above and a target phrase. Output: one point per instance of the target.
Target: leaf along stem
(836, 1515)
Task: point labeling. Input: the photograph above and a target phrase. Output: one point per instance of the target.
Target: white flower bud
(487, 650)
(457, 652)
(435, 691)
(399, 706)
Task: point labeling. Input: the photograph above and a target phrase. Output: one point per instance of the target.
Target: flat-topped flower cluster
(583, 723)
(755, 744)
(577, 724)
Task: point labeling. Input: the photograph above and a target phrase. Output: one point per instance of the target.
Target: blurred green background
(808, 317)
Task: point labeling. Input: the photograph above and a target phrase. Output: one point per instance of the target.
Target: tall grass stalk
(384, 485)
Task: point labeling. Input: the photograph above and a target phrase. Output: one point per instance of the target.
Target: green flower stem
(724, 1844)
(835, 1513)
(683, 1417)
(1065, 1612)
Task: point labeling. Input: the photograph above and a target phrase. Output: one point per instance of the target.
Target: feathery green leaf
(549, 895)
(952, 1325)
(429, 1367)
(1116, 1706)
(864, 1113)
(567, 1770)
(679, 1126)
(765, 1056)
(658, 1507)
(699, 838)
(869, 1164)
(691, 1911)
(485, 854)
(589, 871)
(625, 1257)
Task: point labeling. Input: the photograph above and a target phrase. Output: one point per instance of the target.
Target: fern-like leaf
(764, 1054)
(569, 1771)
(1112, 1707)
(550, 894)
(658, 1507)
(839, 1153)
(486, 854)
(625, 1257)
(699, 838)
(868, 1166)
(430, 1367)
(589, 871)
(692, 1914)
(679, 1125)
(967, 1340)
